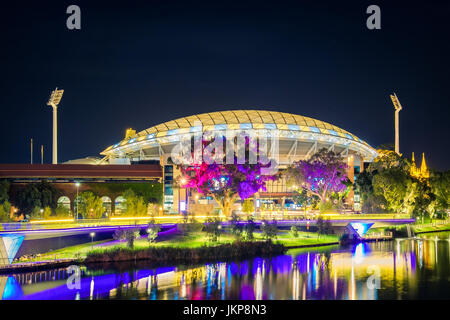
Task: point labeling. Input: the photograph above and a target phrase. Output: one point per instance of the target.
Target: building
(298, 138)
(421, 173)
(72, 179)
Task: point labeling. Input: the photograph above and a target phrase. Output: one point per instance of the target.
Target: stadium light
(55, 99)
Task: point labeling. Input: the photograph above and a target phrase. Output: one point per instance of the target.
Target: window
(172, 132)
(196, 129)
(220, 127)
(293, 127)
(334, 133)
(314, 129)
(270, 126)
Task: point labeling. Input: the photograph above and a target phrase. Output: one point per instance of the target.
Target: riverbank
(236, 250)
(429, 229)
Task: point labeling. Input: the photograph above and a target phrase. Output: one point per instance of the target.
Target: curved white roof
(235, 120)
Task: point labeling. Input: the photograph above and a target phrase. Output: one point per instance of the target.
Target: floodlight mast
(54, 100)
(397, 107)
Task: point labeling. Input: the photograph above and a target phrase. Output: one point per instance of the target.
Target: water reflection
(402, 269)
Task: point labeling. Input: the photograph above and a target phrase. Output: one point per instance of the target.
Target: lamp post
(183, 181)
(92, 234)
(77, 185)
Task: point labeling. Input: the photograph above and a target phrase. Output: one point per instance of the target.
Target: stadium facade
(298, 138)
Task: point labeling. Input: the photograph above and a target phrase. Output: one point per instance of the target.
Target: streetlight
(92, 234)
(182, 183)
(77, 184)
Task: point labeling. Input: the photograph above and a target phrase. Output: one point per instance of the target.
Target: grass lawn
(432, 228)
(304, 238)
(189, 240)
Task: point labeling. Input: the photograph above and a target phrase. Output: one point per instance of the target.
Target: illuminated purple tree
(225, 182)
(324, 174)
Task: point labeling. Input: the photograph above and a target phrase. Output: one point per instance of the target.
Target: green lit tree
(91, 206)
(130, 235)
(135, 205)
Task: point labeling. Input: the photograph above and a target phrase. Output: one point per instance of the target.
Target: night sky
(137, 64)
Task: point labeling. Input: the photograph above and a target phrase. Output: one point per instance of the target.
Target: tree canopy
(225, 180)
(324, 174)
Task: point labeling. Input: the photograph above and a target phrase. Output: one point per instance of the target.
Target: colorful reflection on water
(402, 269)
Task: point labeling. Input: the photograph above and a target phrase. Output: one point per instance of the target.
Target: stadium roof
(234, 120)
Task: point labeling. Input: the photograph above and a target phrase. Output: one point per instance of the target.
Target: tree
(152, 231)
(213, 229)
(392, 184)
(249, 229)
(440, 186)
(5, 206)
(225, 180)
(388, 159)
(321, 227)
(371, 202)
(135, 205)
(62, 211)
(322, 175)
(236, 226)
(4, 189)
(5, 209)
(269, 229)
(294, 232)
(130, 235)
(248, 206)
(91, 206)
(38, 195)
(305, 199)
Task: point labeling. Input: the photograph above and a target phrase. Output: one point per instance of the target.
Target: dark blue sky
(137, 64)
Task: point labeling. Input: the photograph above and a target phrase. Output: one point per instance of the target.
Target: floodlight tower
(54, 100)
(397, 107)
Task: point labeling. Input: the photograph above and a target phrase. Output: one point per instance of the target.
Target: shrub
(294, 231)
(236, 226)
(237, 250)
(249, 228)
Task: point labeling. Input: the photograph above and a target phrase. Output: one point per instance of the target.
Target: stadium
(298, 138)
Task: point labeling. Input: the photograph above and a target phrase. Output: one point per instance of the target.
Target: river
(401, 269)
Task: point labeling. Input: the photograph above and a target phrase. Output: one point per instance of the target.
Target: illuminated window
(150, 136)
(272, 126)
(196, 129)
(220, 127)
(172, 132)
(314, 129)
(334, 133)
(349, 136)
(132, 140)
(246, 125)
(293, 127)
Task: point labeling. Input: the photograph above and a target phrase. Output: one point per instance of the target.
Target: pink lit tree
(323, 175)
(225, 181)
